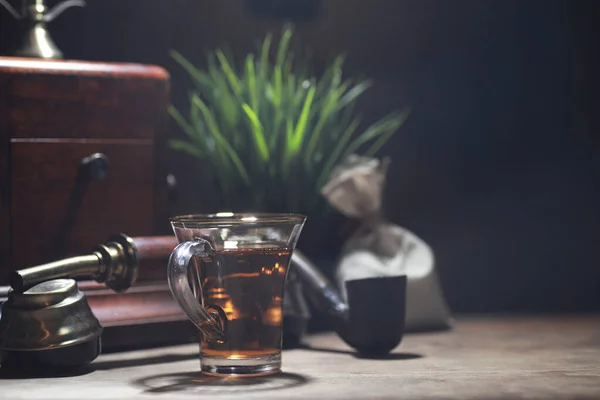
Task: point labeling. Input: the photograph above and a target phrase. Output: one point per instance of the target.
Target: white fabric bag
(379, 248)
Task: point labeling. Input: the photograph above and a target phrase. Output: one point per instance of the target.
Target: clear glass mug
(228, 275)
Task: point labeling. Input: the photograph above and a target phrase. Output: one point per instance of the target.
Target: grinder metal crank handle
(114, 263)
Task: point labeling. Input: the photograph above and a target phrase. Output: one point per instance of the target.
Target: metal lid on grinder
(50, 315)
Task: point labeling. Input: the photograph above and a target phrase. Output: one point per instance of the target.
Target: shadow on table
(138, 362)
(389, 356)
(40, 373)
(31, 373)
(196, 383)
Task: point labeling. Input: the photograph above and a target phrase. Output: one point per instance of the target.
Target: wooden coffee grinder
(81, 159)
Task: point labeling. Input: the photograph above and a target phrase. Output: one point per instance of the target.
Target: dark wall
(498, 167)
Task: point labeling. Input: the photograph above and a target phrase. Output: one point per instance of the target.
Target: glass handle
(209, 322)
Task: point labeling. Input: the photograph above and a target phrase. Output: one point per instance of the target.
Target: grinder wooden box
(81, 147)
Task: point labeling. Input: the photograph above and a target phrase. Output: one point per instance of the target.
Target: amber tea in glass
(228, 275)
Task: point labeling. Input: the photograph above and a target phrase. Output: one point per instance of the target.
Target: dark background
(498, 167)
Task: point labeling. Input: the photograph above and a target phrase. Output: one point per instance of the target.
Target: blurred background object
(268, 131)
(497, 167)
(33, 16)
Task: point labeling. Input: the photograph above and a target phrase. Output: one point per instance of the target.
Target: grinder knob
(95, 166)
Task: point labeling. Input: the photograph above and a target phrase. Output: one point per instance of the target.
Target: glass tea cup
(228, 275)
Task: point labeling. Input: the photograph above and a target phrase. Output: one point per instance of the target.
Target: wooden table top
(489, 358)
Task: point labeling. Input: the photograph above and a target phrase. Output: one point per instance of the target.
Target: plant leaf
(332, 76)
(335, 155)
(283, 46)
(251, 80)
(200, 137)
(231, 76)
(391, 122)
(301, 125)
(214, 129)
(386, 136)
(279, 65)
(186, 147)
(353, 93)
(222, 98)
(198, 76)
(258, 132)
(264, 56)
(181, 121)
(331, 102)
(277, 83)
(287, 159)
